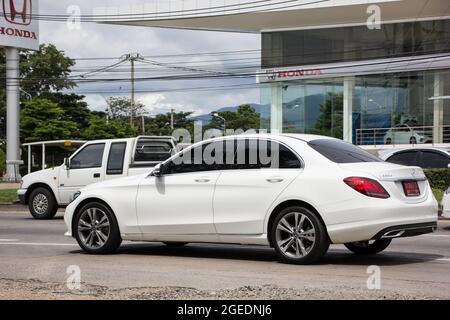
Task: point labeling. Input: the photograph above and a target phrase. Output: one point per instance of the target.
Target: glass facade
(385, 108)
(319, 46)
(380, 102)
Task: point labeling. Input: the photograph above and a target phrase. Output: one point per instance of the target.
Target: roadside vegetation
(8, 196)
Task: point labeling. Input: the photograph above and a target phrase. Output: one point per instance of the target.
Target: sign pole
(12, 114)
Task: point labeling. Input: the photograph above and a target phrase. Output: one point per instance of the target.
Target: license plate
(411, 188)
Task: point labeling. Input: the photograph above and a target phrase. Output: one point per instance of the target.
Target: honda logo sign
(18, 12)
(18, 27)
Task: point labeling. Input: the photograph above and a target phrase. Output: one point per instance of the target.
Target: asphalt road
(34, 257)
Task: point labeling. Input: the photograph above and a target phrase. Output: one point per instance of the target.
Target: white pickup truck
(46, 190)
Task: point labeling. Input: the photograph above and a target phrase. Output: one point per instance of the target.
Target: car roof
(278, 136)
(389, 153)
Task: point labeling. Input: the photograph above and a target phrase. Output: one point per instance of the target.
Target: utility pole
(132, 57)
(172, 111)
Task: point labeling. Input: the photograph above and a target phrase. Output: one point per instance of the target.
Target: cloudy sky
(109, 41)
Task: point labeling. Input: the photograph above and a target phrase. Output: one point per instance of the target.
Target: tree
(46, 70)
(330, 122)
(160, 124)
(116, 128)
(122, 107)
(74, 110)
(41, 121)
(244, 118)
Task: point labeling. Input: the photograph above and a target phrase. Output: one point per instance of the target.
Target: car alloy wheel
(40, 203)
(94, 228)
(295, 235)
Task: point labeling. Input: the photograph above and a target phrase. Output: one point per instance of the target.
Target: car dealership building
(365, 71)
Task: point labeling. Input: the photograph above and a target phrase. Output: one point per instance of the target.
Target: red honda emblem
(18, 11)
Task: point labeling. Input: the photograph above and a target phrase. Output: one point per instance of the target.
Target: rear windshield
(151, 151)
(342, 152)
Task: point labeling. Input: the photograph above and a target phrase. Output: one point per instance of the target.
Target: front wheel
(299, 236)
(368, 247)
(96, 229)
(42, 204)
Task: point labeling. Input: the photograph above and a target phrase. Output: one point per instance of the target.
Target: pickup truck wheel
(96, 229)
(42, 204)
(368, 247)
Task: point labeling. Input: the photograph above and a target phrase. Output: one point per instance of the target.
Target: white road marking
(9, 240)
(42, 244)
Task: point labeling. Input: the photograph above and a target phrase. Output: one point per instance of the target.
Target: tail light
(368, 187)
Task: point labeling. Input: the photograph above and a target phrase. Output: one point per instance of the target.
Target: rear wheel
(96, 229)
(175, 244)
(299, 236)
(368, 247)
(42, 204)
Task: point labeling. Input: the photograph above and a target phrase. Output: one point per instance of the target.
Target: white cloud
(95, 40)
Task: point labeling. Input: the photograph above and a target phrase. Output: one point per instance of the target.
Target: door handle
(275, 180)
(96, 175)
(202, 180)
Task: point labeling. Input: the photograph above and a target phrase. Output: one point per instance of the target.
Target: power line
(209, 11)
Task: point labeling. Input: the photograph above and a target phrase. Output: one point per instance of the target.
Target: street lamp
(216, 115)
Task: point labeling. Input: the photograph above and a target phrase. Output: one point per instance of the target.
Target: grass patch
(8, 195)
(438, 194)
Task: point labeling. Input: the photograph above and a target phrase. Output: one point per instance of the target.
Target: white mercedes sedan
(295, 193)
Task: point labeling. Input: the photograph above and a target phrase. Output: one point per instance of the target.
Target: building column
(276, 108)
(438, 109)
(12, 114)
(349, 92)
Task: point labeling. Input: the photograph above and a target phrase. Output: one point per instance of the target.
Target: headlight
(75, 196)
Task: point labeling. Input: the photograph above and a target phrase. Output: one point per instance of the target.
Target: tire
(89, 233)
(367, 248)
(175, 244)
(296, 246)
(412, 140)
(388, 141)
(42, 204)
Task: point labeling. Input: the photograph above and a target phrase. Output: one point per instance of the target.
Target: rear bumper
(21, 195)
(409, 230)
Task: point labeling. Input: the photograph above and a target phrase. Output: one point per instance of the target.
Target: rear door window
(406, 158)
(342, 152)
(116, 158)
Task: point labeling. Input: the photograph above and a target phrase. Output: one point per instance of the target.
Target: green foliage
(244, 118)
(41, 120)
(2, 162)
(330, 122)
(98, 128)
(45, 70)
(438, 194)
(122, 107)
(8, 195)
(438, 178)
(160, 124)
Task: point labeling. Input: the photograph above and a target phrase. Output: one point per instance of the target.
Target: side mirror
(67, 163)
(157, 171)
